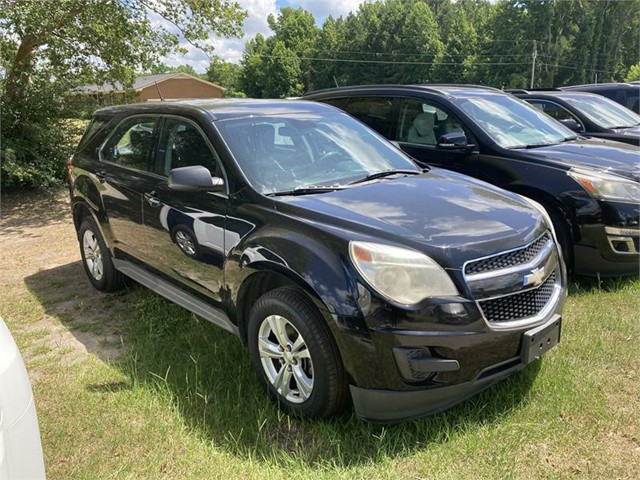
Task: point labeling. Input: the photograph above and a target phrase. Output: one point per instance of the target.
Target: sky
(256, 22)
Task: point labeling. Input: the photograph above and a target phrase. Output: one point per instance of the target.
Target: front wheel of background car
(294, 354)
(185, 238)
(96, 258)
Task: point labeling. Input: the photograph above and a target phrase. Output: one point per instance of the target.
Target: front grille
(519, 305)
(508, 259)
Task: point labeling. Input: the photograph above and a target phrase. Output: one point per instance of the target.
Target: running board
(176, 295)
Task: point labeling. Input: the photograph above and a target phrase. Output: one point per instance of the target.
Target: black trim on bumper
(589, 262)
(388, 406)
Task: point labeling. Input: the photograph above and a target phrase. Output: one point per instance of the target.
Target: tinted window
(336, 102)
(323, 149)
(92, 129)
(424, 123)
(376, 112)
(131, 143)
(182, 144)
(554, 110)
(632, 102)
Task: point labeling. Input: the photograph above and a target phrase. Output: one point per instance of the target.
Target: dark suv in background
(589, 187)
(627, 94)
(343, 267)
(586, 113)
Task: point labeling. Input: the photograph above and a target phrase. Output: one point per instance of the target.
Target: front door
(421, 123)
(186, 230)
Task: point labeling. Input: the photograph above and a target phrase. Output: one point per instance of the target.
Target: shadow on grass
(205, 373)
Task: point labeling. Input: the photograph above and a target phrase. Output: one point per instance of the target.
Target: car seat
(422, 129)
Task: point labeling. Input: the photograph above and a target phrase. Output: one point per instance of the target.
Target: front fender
(318, 267)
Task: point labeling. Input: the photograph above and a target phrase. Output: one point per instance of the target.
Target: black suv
(342, 266)
(586, 113)
(589, 187)
(627, 94)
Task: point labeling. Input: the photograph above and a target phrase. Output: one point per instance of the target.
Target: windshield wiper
(307, 189)
(385, 173)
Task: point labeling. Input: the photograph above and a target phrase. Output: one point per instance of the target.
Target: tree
(163, 68)
(105, 39)
(633, 74)
(225, 74)
(47, 47)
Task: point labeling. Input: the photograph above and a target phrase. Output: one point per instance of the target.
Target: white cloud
(231, 49)
(322, 9)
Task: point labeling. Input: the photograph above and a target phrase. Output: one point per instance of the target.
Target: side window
(131, 144)
(183, 145)
(377, 112)
(632, 102)
(554, 110)
(336, 102)
(424, 123)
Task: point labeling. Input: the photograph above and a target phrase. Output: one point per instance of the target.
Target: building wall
(179, 88)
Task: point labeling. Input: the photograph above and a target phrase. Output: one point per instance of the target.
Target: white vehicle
(20, 447)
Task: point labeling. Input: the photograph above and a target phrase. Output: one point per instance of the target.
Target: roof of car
(601, 86)
(548, 93)
(218, 109)
(442, 88)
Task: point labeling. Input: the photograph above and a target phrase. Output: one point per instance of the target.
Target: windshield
(602, 111)
(280, 153)
(512, 123)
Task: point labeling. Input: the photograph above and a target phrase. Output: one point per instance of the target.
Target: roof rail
(400, 85)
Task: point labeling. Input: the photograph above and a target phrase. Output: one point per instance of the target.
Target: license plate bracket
(539, 340)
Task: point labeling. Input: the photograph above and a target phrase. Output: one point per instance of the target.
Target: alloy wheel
(92, 255)
(285, 359)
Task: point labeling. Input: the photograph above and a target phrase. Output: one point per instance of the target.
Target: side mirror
(453, 141)
(194, 179)
(572, 124)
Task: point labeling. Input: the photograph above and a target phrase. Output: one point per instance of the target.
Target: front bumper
(385, 406)
(608, 251)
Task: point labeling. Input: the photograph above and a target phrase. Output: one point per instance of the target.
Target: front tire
(96, 258)
(294, 354)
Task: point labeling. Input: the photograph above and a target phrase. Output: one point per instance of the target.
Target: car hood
(449, 216)
(616, 157)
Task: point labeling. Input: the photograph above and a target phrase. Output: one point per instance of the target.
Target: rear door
(125, 172)
(186, 230)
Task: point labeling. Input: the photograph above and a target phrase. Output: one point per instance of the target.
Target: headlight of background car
(399, 274)
(606, 186)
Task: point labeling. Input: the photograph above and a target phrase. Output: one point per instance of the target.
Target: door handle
(101, 176)
(152, 200)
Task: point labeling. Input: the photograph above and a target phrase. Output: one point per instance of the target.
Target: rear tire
(294, 354)
(96, 258)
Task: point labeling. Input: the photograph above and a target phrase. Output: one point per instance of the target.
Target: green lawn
(182, 402)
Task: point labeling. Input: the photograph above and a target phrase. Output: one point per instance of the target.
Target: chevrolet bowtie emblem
(536, 277)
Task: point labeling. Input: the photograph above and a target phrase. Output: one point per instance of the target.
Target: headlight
(399, 274)
(606, 186)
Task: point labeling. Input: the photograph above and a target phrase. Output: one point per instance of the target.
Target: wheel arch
(264, 279)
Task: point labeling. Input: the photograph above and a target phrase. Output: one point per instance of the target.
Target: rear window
(93, 128)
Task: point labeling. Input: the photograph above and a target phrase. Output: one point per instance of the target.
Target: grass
(182, 401)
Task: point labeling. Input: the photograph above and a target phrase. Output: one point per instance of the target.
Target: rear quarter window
(95, 126)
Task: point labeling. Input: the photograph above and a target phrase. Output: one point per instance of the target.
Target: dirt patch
(40, 263)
